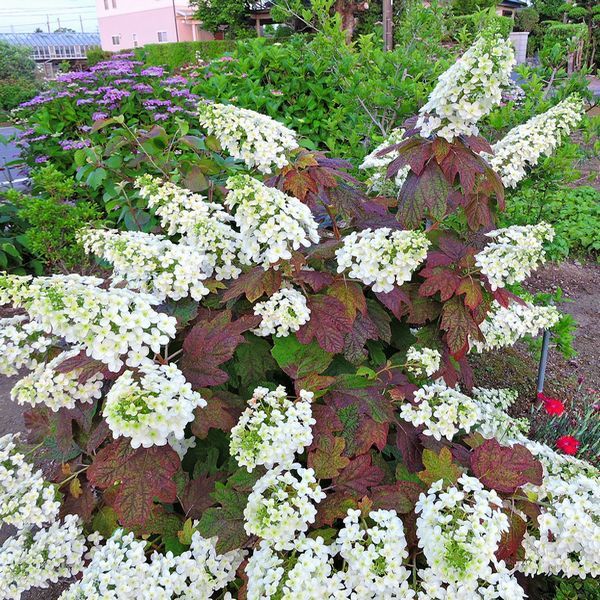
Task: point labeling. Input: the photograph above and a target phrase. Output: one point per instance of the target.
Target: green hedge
(15, 91)
(475, 23)
(177, 54)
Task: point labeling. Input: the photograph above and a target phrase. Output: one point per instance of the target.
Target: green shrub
(177, 54)
(342, 97)
(15, 91)
(16, 62)
(577, 589)
(52, 220)
(526, 19)
(96, 55)
(465, 28)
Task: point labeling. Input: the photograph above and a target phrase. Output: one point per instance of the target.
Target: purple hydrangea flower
(153, 72)
(41, 159)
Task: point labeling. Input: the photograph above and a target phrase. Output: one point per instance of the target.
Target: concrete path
(10, 176)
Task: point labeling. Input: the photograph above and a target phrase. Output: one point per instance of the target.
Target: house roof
(36, 40)
(513, 3)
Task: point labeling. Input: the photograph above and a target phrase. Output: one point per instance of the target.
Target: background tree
(16, 62)
(230, 16)
(318, 12)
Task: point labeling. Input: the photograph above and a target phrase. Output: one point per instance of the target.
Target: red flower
(552, 405)
(568, 444)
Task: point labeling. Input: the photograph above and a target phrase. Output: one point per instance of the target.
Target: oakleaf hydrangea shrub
(270, 397)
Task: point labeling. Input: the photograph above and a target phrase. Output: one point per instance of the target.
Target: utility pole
(58, 21)
(48, 22)
(81, 23)
(388, 26)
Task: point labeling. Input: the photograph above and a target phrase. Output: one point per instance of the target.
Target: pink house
(127, 24)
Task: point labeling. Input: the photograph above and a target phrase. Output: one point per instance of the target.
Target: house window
(105, 4)
(162, 36)
(507, 13)
(114, 3)
(116, 40)
(135, 40)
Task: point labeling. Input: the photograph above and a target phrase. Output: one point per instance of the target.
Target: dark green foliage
(526, 19)
(228, 15)
(96, 55)
(17, 76)
(342, 98)
(51, 218)
(16, 62)
(15, 91)
(177, 54)
(577, 589)
(465, 28)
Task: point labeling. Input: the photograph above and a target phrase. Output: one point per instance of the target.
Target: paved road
(10, 175)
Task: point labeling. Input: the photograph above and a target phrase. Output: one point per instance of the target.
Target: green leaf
(299, 360)
(253, 362)
(327, 458)
(105, 521)
(439, 466)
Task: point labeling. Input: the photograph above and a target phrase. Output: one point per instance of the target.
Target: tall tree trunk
(347, 10)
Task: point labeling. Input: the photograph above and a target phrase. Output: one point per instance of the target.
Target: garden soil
(515, 367)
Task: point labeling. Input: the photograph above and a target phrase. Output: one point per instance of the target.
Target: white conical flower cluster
(111, 324)
(513, 253)
(281, 505)
(272, 429)
(150, 263)
(258, 140)
(459, 530)
(149, 410)
(469, 89)
(23, 344)
(444, 411)
(119, 569)
(30, 560)
(271, 223)
(495, 422)
(57, 390)
(205, 226)
(283, 313)
(523, 145)
(422, 361)
(568, 539)
(504, 326)
(25, 498)
(306, 572)
(375, 556)
(382, 257)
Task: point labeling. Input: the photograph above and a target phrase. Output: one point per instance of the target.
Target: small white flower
(423, 361)
(271, 223)
(25, 498)
(281, 505)
(284, 312)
